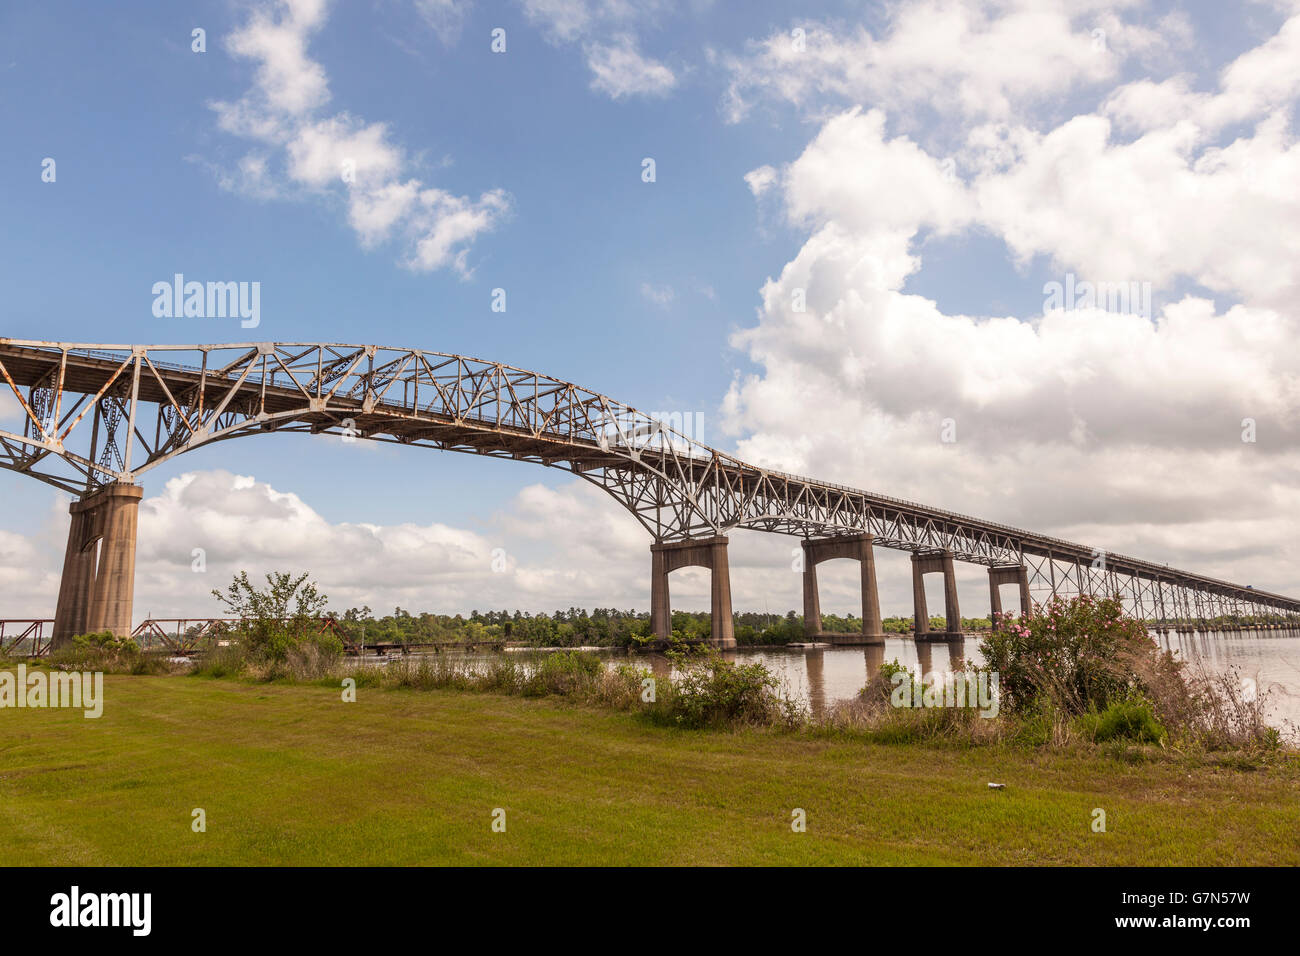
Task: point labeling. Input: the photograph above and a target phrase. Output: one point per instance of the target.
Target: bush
(1079, 654)
(1226, 716)
(1131, 719)
(619, 688)
(228, 661)
(564, 672)
(281, 618)
(1082, 664)
(102, 651)
(502, 676)
(309, 659)
(716, 693)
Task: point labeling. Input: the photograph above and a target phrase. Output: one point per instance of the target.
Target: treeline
(602, 627)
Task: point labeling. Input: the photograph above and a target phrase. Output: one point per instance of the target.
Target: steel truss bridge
(97, 417)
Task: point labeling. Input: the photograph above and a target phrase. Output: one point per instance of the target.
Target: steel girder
(96, 414)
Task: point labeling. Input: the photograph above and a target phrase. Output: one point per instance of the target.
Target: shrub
(1078, 654)
(502, 675)
(1131, 719)
(426, 673)
(563, 672)
(1081, 663)
(1226, 716)
(228, 661)
(310, 659)
(103, 651)
(280, 618)
(619, 687)
(107, 641)
(716, 692)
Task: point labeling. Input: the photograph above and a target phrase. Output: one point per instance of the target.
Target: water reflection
(821, 677)
(815, 666)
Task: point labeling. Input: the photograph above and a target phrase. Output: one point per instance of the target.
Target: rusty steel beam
(130, 408)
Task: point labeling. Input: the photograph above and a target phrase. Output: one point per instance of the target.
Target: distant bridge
(97, 417)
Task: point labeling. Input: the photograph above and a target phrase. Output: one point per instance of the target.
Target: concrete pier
(923, 564)
(98, 583)
(1017, 574)
(665, 558)
(857, 547)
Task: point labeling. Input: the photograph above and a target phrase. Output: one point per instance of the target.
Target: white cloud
(605, 31)
(760, 180)
(619, 69)
(10, 411)
(1262, 80)
(1104, 427)
(1159, 207)
(969, 57)
(445, 17)
(305, 151)
(661, 295)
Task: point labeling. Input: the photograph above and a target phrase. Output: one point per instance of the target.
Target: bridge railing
(26, 637)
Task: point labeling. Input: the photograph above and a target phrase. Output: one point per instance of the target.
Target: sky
(840, 238)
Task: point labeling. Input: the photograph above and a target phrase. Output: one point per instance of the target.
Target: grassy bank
(291, 774)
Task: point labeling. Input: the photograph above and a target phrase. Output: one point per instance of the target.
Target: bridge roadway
(97, 417)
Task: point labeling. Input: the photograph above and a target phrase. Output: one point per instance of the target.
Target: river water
(819, 677)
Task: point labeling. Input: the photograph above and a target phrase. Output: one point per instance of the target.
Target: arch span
(96, 416)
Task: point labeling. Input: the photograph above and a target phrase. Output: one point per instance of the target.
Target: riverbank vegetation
(1079, 672)
(602, 627)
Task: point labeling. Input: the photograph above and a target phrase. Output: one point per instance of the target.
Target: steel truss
(97, 414)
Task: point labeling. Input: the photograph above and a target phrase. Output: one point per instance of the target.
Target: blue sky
(120, 102)
(639, 289)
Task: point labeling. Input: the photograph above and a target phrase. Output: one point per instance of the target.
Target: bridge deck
(674, 485)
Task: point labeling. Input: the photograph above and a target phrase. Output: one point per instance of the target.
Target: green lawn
(292, 775)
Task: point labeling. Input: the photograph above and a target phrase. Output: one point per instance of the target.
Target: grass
(289, 774)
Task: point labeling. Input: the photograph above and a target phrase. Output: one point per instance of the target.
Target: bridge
(98, 417)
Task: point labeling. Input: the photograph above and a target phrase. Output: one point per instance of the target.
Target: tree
(278, 616)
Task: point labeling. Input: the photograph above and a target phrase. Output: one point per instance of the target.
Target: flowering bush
(1078, 654)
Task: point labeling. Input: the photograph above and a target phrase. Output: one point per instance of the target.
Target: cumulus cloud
(304, 150)
(984, 58)
(1116, 429)
(1259, 81)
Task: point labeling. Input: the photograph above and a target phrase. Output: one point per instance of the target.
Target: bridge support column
(857, 547)
(923, 564)
(711, 553)
(999, 576)
(98, 583)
